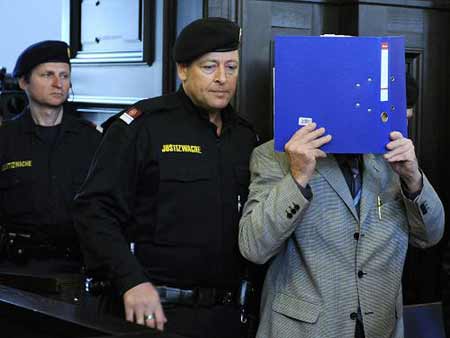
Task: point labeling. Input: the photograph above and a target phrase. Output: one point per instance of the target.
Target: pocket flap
(296, 308)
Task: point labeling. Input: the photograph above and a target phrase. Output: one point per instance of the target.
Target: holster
(249, 307)
(21, 246)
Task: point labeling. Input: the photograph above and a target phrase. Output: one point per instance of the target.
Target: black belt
(197, 296)
(169, 295)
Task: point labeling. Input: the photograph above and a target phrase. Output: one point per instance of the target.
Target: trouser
(217, 321)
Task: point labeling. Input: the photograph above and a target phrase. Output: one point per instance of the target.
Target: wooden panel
(380, 20)
(170, 33)
(404, 20)
(435, 4)
(274, 18)
(435, 87)
(255, 76)
(220, 8)
(289, 16)
(414, 66)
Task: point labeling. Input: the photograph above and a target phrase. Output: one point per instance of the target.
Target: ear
(182, 71)
(22, 83)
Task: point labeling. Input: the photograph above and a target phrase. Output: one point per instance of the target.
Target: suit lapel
(329, 169)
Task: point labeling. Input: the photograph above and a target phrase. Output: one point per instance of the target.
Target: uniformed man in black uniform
(158, 214)
(45, 154)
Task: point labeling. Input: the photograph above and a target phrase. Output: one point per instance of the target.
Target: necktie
(356, 181)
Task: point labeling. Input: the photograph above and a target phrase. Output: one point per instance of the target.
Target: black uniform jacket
(38, 181)
(167, 182)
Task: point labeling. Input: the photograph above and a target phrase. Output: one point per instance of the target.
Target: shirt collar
(68, 122)
(228, 115)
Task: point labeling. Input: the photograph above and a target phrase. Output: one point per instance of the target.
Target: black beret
(41, 52)
(412, 91)
(204, 36)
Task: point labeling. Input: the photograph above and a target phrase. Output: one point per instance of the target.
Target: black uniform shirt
(41, 170)
(175, 188)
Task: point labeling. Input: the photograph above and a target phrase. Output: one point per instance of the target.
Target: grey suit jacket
(318, 268)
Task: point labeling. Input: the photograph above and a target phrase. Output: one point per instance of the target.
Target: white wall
(24, 22)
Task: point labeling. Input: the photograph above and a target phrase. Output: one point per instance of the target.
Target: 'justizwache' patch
(181, 148)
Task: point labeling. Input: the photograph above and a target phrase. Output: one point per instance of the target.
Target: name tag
(181, 148)
(16, 164)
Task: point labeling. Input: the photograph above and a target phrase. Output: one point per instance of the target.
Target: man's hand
(142, 301)
(402, 157)
(303, 151)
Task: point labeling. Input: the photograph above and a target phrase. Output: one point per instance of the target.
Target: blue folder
(352, 86)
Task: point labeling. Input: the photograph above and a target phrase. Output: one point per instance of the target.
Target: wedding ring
(149, 317)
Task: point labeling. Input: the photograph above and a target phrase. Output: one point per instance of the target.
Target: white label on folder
(273, 89)
(384, 85)
(303, 121)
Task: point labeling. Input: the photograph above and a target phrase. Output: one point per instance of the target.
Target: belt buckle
(95, 286)
(227, 298)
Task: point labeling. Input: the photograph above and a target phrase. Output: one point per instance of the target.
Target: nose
(220, 74)
(57, 82)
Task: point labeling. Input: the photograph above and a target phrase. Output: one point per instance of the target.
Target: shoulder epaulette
(145, 107)
(131, 114)
(13, 120)
(91, 124)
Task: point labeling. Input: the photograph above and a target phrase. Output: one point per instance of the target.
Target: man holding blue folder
(335, 230)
